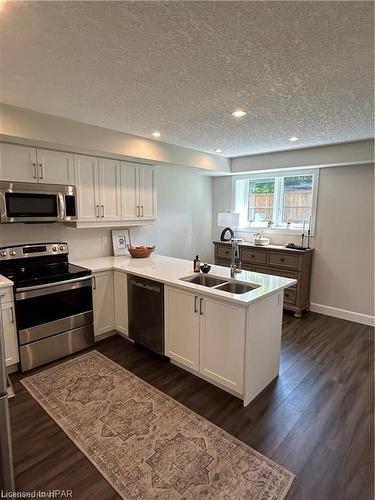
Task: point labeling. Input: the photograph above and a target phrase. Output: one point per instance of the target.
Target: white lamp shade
(228, 219)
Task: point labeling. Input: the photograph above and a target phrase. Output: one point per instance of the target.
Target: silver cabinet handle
(97, 211)
(196, 304)
(138, 213)
(41, 171)
(142, 210)
(12, 314)
(102, 211)
(201, 307)
(34, 170)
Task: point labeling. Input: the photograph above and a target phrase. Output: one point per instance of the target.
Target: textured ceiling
(297, 68)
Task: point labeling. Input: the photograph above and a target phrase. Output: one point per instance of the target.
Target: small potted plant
(260, 239)
(270, 223)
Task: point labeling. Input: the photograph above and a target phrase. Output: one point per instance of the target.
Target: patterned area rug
(146, 444)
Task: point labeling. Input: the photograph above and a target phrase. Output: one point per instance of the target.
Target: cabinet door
(110, 189)
(104, 317)
(121, 302)
(55, 167)
(10, 334)
(147, 191)
(18, 163)
(182, 327)
(87, 183)
(222, 343)
(130, 191)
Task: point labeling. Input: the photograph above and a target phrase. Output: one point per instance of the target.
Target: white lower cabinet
(182, 327)
(104, 317)
(222, 343)
(121, 302)
(10, 332)
(206, 335)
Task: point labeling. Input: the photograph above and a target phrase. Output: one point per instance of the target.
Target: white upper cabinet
(110, 189)
(130, 190)
(27, 164)
(107, 190)
(87, 183)
(55, 167)
(147, 191)
(138, 191)
(18, 163)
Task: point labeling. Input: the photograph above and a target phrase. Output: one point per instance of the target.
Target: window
(281, 201)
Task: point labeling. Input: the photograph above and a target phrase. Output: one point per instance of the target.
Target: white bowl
(262, 242)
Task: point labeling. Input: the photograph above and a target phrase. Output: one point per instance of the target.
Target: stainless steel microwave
(27, 202)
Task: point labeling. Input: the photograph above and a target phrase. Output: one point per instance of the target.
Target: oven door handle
(49, 288)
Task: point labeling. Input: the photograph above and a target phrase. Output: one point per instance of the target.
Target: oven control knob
(62, 248)
(12, 252)
(3, 254)
(54, 249)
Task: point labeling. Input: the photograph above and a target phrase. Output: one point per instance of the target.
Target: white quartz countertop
(169, 270)
(4, 282)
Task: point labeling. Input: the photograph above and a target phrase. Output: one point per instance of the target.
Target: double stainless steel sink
(222, 284)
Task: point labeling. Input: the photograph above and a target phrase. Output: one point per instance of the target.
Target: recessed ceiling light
(239, 113)
(218, 150)
(293, 139)
(155, 134)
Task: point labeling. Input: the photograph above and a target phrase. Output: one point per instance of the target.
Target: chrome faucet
(235, 264)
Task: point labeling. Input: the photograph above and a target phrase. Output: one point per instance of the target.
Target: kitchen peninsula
(229, 339)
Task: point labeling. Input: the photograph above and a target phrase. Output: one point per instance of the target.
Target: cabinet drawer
(290, 295)
(223, 251)
(256, 256)
(225, 263)
(277, 272)
(6, 295)
(283, 260)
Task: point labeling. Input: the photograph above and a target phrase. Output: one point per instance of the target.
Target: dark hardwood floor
(316, 419)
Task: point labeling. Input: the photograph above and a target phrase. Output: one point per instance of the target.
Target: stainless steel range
(54, 312)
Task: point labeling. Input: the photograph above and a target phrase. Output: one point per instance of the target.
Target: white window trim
(280, 173)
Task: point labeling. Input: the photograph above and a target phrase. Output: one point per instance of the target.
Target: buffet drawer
(290, 295)
(256, 256)
(223, 251)
(284, 273)
(283, 260)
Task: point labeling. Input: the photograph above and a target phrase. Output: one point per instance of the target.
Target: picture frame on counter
(120, 241)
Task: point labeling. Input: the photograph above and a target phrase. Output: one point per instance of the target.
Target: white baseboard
(105, 335)
(364, 319)
(124, 336)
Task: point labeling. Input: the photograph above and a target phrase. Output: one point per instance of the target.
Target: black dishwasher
(146, 312)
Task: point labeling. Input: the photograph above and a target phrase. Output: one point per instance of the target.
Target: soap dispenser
(197, 264)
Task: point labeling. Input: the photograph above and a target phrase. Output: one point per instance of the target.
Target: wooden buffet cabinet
(276, 260)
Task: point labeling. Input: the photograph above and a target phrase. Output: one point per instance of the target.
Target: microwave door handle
(61, 214)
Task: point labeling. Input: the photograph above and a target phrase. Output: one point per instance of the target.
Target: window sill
(273, 230)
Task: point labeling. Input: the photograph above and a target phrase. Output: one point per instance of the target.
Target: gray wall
(183, 226)
(343, 270)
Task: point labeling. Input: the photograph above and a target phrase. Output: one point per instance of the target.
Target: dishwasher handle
(151, 288)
